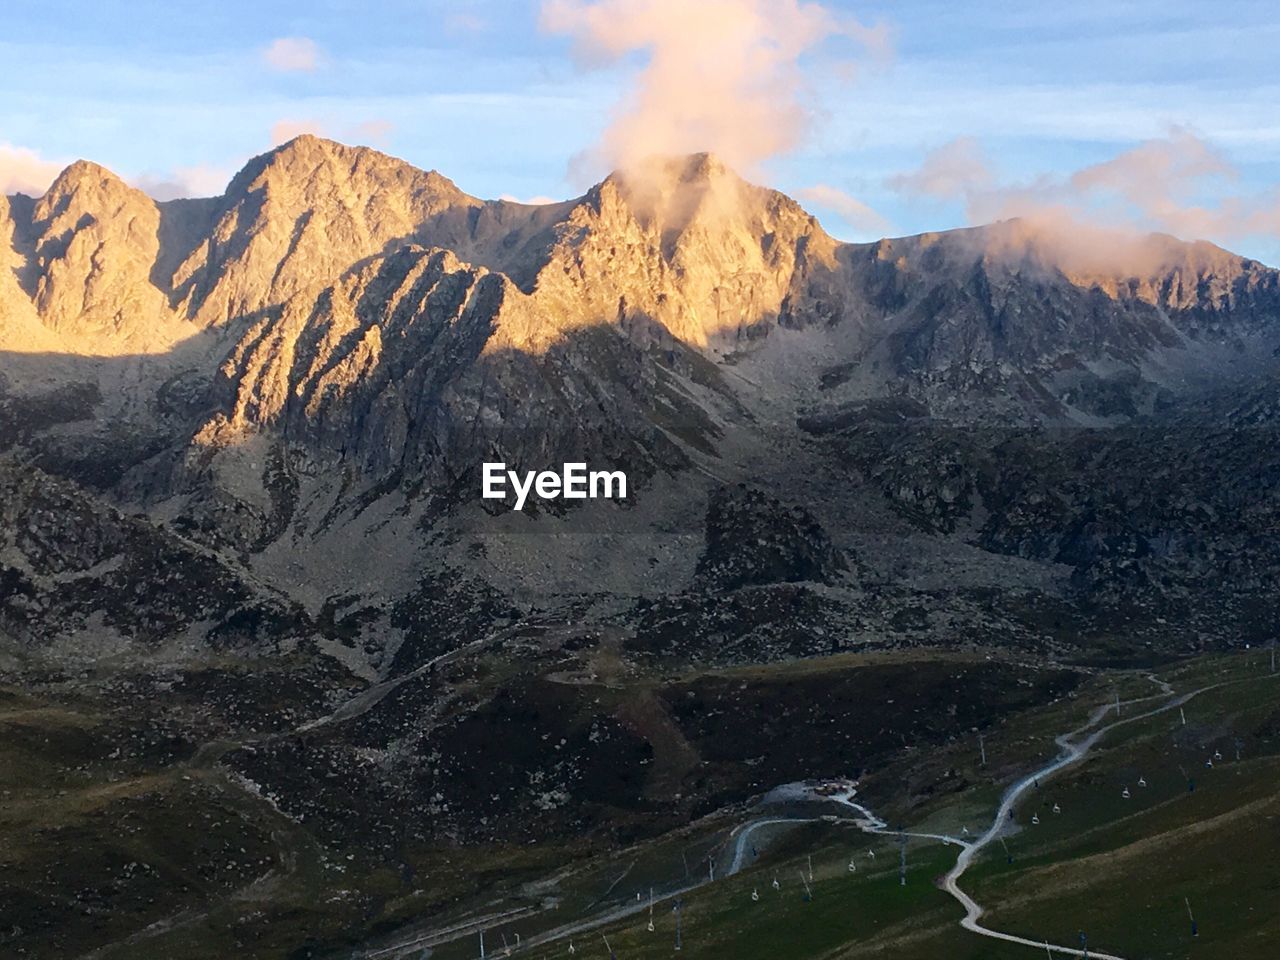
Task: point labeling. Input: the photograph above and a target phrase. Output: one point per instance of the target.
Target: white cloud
(24, 171)
(950, 172)
(1178, 183)
(196, 181)
(720, 75)
(377, 132)
(537, 201)
(293, 55)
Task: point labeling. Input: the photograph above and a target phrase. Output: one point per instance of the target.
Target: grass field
(1126, 868)
(1123, 870)
(109, 844)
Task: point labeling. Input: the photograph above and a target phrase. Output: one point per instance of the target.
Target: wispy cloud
(465, 21)
(284, 130)
(375, 132)
(293, 55)
(955, 171)
(845, 205)
(1179, 184)
(25, 171)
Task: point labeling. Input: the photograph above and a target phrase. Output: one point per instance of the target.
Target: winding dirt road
(1073, 750)
(1074, 746)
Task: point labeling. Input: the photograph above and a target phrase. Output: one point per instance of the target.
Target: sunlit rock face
(295, 219)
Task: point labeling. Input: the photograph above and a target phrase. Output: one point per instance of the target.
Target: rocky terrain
(240, 448)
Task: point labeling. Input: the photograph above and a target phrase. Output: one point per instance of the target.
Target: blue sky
(163, 91)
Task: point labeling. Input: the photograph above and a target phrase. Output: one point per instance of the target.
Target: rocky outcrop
(80, 578)
(754, 540)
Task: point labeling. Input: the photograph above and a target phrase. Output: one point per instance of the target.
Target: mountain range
(241, 437)
(322, 357)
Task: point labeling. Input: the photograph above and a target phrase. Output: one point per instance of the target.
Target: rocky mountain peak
(686, 242)
(86, 190)
(671, 251)
(294, 218)
(675, 193)
(92, 240)
(309, 165)
(85, 175)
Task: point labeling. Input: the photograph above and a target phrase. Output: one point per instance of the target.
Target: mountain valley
(263, 642)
